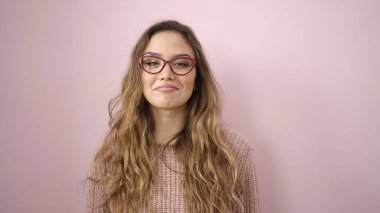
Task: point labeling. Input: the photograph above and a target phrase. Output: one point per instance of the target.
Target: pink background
(301, 82)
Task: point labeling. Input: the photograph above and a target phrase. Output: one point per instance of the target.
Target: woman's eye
(181, 64)
(152, 63)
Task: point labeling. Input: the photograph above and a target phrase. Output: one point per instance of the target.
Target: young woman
(166, 150)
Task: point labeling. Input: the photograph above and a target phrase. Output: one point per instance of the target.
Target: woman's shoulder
(236, 142)
(97, 166)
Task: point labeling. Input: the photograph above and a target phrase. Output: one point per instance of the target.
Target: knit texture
(167, 190)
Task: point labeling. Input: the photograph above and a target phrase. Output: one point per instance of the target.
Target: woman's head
(166, 40)
(168, 74)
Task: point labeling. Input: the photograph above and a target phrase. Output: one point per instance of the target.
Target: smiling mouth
(166, 88)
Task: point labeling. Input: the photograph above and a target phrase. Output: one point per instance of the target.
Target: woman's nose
(166, 72)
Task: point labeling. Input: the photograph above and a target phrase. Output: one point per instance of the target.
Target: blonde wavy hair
(127, 156)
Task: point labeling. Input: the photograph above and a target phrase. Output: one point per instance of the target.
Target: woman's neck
(167, 122)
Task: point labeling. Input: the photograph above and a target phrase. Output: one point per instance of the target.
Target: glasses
(180, 65)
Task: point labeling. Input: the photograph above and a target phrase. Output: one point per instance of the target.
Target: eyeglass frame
(193, 63)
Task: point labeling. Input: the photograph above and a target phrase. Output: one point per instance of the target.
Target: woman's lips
(166, 88)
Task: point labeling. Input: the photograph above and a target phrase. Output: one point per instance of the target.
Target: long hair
(210, 174)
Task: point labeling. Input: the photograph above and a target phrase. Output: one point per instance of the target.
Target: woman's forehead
(169, 44)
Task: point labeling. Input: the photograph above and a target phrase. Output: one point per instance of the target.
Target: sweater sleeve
(95, 191)
(249, 183)
(246, 169)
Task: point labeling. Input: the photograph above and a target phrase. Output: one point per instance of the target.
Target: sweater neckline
(162, 146)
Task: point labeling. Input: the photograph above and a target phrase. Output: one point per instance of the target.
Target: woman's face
(167, 90)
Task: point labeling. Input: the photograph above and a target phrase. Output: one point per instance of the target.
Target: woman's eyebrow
(181, 54)
(174, 56)
(152, 53)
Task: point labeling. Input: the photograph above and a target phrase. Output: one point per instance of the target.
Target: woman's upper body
(167, 190)
(169, 99)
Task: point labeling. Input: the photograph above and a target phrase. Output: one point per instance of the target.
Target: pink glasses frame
(193, 63)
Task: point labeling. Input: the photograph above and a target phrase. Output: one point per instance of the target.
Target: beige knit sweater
(168, 192)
